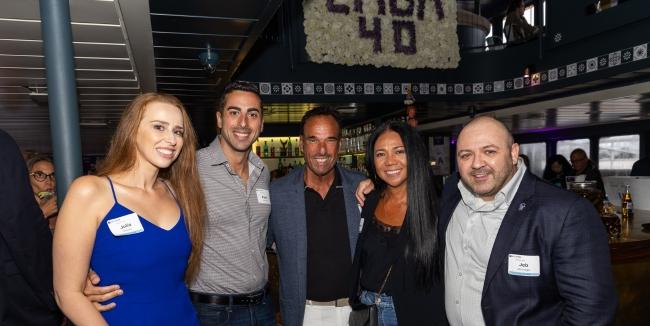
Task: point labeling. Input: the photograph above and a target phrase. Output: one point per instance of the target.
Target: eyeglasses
(40, 176)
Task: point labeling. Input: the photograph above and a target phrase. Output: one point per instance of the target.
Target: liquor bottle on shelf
(265, 150)
(257, 150)
(296, 150)
(289, 148)
(627, 207)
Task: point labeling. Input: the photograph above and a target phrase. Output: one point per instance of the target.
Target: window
(617, 154)
(565, 147)
(536, 153)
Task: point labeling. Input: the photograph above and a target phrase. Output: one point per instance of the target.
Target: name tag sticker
(522, 265)
(125, 225)
(361, 224)
(263, 196)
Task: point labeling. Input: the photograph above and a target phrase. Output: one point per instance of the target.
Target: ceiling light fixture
(209, 59)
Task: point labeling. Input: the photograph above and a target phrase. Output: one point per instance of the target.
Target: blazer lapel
(299, 225)
(518, 212)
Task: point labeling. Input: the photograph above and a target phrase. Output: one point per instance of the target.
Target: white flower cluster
(335, 37)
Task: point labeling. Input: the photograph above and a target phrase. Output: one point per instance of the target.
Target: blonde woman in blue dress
(138, 223)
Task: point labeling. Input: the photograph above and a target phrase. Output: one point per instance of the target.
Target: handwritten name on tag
(125, 225)
(522, 265)
(263, 196)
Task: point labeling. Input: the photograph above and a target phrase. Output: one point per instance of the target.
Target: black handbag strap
(378, 293)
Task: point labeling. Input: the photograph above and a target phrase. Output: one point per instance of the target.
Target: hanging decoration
(397, 33)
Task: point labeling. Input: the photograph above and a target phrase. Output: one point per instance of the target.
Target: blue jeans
(261, 314)
(385, 309)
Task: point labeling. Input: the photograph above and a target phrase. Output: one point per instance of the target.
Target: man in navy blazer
(519, 251)
(26, 294)
(314, 224)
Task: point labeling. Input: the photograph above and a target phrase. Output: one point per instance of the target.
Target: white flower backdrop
(397, 33)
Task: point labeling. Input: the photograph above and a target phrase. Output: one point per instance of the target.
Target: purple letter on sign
(399, 12)
(409, 26)
(375, 34)
(343, 9)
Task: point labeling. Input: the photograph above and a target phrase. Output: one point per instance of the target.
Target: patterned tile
(308, 88)
(329, 88)
(640, 52)
(572, 70)
(276, 89)
(388, 88)
(592, 64)
(499, 86)
(339, 88)
(535, 79)
(459, 88)
(442, 89)
(627, 55)
(369, 88)
(348, 88)
(552, 75)
(603, 61)
(287, 89)
(265, 88)
(478, 88)
(320, 88)
(297, 88)
(614, 58)
(519, 83)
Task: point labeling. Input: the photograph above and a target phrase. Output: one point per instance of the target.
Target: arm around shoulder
(74, 237)
(583, 269)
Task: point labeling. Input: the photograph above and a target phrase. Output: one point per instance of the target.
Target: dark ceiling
(118, 55)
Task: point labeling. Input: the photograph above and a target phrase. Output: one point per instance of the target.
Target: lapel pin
(522, 206)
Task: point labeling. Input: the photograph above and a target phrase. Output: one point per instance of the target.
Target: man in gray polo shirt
(231, 287)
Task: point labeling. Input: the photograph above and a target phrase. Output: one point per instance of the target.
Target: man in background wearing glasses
(41, 172)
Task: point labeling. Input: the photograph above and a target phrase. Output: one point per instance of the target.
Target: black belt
(230, 299)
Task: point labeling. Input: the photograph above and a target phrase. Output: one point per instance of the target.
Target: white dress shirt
(469, 239)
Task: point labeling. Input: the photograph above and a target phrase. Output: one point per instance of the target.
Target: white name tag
(522, 265)
(361, 224)
(263, 196)
(125, 225)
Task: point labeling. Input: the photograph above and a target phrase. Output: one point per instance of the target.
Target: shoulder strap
(112, 189)
(378, 293)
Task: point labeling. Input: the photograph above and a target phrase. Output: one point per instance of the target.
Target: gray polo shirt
(234, 257)
(470, 236)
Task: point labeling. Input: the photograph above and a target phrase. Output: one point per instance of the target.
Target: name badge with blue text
(125, 225)
(522, 265)
(263, 196)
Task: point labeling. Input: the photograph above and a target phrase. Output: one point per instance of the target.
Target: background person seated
(556, 170)
(582, 165)
(516, 28)
(41, 177)
(641, 167)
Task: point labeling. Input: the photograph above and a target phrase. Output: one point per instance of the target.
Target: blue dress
(150, 267)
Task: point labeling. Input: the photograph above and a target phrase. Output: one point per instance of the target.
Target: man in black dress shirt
(315, 224)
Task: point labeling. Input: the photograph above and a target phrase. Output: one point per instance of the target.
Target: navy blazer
(288, 229)
(26, 294)
(575, 285)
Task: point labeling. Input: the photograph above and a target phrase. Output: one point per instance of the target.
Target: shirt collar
(505, 195)
(337, 179)
(218, 157)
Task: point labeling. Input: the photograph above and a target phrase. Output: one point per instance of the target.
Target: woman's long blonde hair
(182, 173)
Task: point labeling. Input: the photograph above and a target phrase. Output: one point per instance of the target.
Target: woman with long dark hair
(556, 170)
(138, 223)
(398, 248)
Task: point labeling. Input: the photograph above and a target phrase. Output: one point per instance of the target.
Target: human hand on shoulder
(365, 187)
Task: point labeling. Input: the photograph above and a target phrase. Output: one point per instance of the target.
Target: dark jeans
(261, 314)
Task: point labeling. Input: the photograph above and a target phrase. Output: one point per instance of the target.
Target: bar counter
(631, 267)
